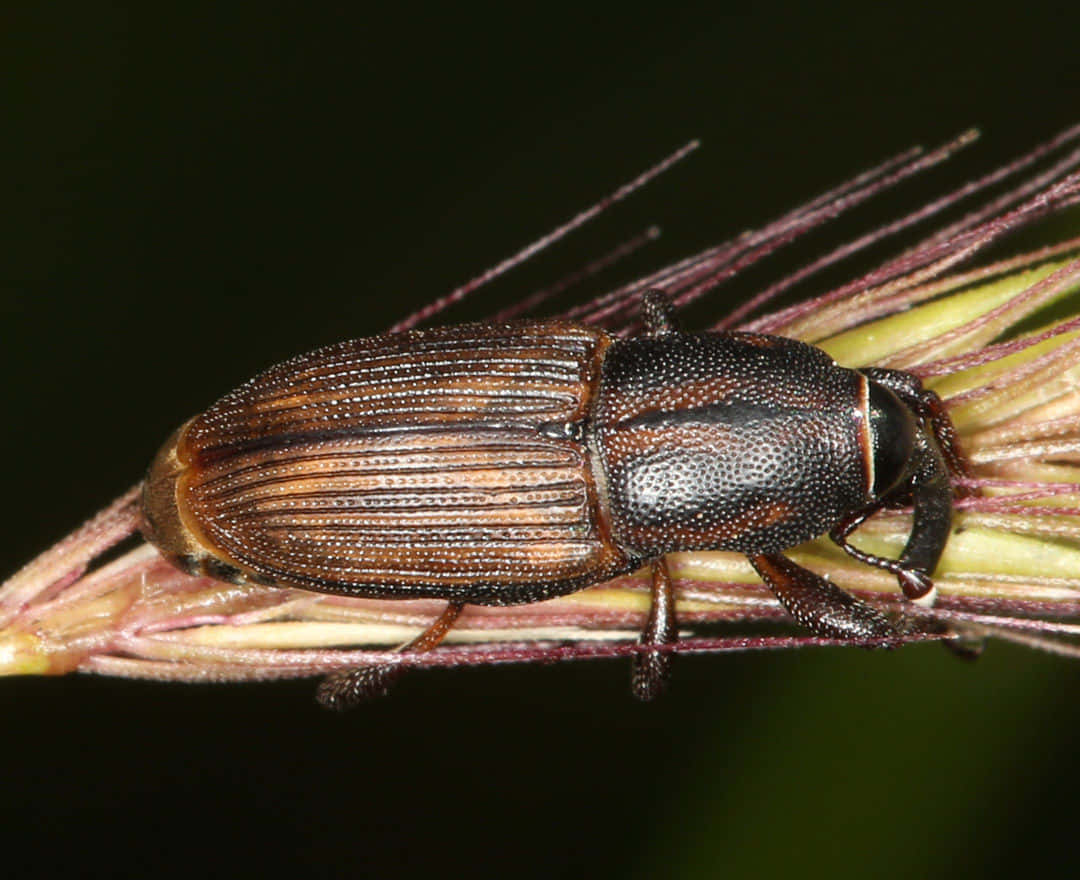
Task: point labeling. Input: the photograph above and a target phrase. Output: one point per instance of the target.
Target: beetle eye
(892, 428)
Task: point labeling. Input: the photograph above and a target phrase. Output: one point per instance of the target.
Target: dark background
(186, 198)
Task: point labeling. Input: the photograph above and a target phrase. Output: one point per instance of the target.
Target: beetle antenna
(455, 296)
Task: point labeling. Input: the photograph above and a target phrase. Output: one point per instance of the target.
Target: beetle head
(892, 431)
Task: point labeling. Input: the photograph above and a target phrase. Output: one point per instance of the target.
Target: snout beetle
(497, 464)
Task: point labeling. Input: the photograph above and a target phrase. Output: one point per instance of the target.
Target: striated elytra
(497, 464)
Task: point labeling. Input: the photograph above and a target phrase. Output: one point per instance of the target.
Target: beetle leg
(820, 606)
(965, 645)
(350, 687)
(928, 406)
(658, 313)
(650, 671)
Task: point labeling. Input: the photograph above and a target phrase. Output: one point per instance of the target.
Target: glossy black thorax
(728, 441)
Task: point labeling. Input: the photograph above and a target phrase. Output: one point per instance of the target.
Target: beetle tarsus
(658, 313)
(351, 687)
(821, 607)
(651, 670)
(965, 645)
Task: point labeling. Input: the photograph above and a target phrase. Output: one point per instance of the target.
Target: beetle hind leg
(350, 687)
(820, 606)
(651, 669)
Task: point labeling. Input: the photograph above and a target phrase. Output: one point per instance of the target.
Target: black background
(186, 198)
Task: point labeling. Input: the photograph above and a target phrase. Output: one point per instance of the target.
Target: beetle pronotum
(497, 464)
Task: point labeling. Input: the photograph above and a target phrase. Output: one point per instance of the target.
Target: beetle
(497, 464)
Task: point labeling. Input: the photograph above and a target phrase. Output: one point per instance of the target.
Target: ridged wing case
(412, 464)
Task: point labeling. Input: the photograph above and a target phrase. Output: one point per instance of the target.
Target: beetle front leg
(651, 670)
(350, 687)
(820, 606)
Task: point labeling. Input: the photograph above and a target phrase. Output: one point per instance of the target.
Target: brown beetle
(504, 464)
